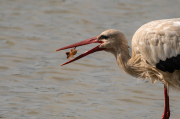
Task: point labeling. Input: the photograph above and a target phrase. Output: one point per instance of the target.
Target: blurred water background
(34, 86)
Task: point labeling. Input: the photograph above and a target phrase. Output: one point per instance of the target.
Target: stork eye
(103, 37)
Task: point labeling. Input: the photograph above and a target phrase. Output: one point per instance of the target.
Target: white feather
(158, 40)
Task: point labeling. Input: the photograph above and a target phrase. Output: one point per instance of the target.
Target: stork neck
(130, 64)
(122, 58)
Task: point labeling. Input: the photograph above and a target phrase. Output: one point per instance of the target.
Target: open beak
(85, 42)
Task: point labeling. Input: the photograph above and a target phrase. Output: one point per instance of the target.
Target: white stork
(155, 53)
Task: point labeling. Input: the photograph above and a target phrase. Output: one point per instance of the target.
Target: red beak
(85, 42)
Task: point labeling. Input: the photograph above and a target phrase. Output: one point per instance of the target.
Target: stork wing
(158, 40)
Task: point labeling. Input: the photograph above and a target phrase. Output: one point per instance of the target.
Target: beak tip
(57, 50)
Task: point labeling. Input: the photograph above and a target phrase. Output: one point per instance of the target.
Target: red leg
(166, 113)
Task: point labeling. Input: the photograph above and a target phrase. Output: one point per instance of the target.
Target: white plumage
(158, 40)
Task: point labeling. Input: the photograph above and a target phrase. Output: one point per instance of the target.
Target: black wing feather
(170, 64)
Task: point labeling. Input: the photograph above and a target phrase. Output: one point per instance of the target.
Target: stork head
(110, 41)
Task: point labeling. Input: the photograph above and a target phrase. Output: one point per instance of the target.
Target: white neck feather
(129, 64)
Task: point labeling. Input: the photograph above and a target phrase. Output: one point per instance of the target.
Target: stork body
(158, 44)
(155, 53)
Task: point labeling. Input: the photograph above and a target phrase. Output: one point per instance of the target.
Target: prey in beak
(85, 42)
